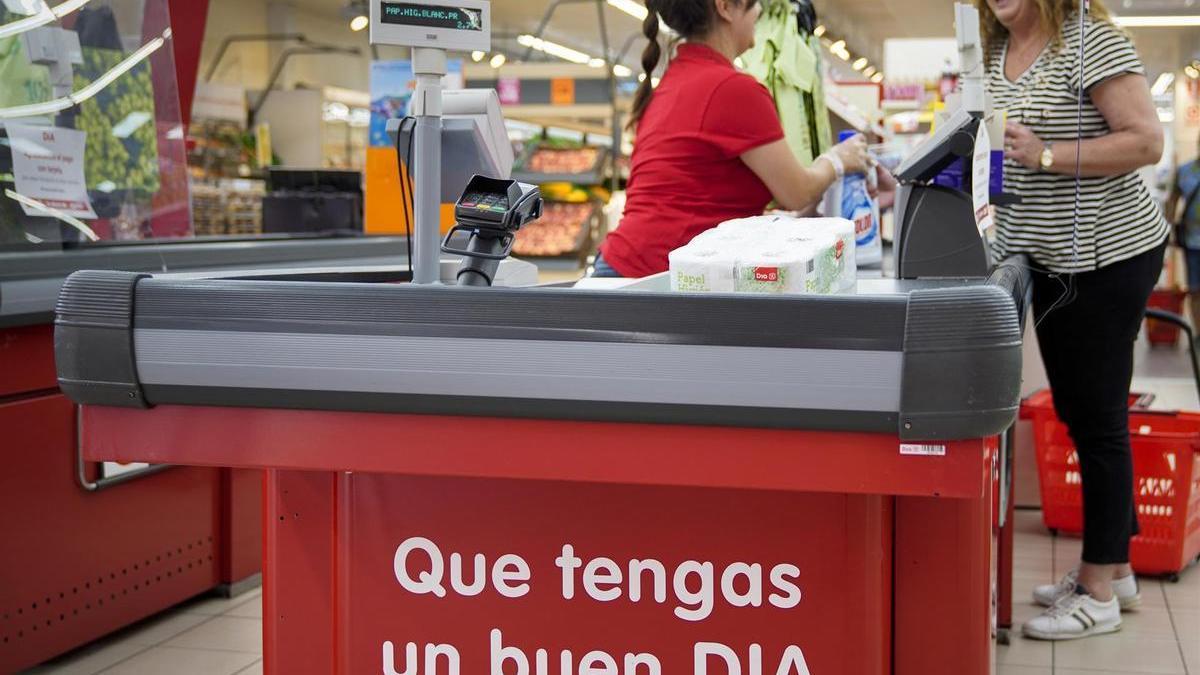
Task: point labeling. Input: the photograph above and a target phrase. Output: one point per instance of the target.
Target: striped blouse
(1118, 219)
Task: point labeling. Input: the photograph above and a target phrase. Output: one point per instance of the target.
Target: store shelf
(564, 231)
(536, 157)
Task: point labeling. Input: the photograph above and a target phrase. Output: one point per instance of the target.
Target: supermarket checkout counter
(541, 480)
(842, 448)
(99, 545)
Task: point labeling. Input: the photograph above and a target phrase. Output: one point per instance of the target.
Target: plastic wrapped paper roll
(785, 270)
(702, 269)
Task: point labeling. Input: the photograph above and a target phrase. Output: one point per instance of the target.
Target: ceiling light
(642, 77)
(554, 49)
(478, 56)
(498, 60)
(359, 23)
(1163, 84)
(870, 70)
(860, 64)
(877, 78)
(1178, 21)
(631, 8)
(844, 54)
(1191, 72)
(837, 46)
(132, 122)
(819, 30)
(741, 65)
(654, 81)
(596, 63)
(622, 71)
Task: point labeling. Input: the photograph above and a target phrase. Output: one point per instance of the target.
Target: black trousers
(1087, 344)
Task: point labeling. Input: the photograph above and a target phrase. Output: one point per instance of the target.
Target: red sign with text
(541, 578)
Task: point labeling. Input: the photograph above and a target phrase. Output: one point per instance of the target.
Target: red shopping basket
(1163, 333)
(1166, 470)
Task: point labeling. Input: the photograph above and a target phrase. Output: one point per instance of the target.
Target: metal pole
(429, 65)
(615, 180)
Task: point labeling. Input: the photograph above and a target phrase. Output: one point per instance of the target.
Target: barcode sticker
(923, 450)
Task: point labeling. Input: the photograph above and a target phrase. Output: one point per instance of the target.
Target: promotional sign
(48, 167)
(392, 86)
(480, 577)
(562, 91)
(509, 89)
(981, 180)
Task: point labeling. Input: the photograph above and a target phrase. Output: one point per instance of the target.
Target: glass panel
(92, 148)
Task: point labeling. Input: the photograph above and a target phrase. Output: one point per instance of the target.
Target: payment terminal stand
(430, 29)
(937, 235)
(490, 213)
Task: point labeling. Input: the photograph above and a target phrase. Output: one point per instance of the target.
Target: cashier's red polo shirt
(687, 174)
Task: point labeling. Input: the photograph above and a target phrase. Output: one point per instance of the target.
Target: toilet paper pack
(698, 268)
(768, 254)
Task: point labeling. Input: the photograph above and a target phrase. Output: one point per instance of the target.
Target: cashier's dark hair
(689, 19)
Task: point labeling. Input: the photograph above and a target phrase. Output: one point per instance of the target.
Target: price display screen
(431, 16)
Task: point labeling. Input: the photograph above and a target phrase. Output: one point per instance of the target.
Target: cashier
(1079, 129)
(710, 146)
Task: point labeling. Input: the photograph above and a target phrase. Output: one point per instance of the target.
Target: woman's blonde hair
(1053, 13)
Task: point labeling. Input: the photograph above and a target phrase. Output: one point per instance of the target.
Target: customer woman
(710, 146)
(1096, 239)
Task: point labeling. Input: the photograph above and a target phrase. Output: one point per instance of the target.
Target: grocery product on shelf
(556, 160)
(562, 230)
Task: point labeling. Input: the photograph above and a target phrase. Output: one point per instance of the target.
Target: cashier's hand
(854, 155)
(1023, 146)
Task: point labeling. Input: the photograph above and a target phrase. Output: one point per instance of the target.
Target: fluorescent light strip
(45, 16)
(88, 92)
(53, 213)
(554, 49)
(1179, 21)
(631, 8)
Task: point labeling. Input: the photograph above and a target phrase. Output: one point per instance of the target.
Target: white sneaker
(1126, 589)
(1075, 616)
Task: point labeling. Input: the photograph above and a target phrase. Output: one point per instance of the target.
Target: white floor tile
(254, 669)
(1149, 622)
(248, 610)
(176, 661)
(1120, 654)
(223, 632)
(89, 660)
(1023, 670)
(1024, 652)
(159, 629)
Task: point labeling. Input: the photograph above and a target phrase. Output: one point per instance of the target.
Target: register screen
(431, 16)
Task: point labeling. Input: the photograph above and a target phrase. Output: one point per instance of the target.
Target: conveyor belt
(927, 360)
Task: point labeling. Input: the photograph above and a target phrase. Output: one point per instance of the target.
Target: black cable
(407, 197)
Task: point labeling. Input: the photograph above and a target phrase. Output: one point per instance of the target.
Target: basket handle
(1172, 318)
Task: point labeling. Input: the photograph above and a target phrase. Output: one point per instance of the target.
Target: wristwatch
(1047, 157)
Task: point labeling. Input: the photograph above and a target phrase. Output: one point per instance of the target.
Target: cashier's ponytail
(688, 20)
(650, 58)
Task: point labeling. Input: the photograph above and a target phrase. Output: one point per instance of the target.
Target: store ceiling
(863, 23)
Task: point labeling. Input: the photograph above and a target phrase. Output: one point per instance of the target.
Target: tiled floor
(207, 636)
(1161, 637)
(224, 637)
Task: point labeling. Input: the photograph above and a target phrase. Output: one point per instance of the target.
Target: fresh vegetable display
(562, 161)
(558, 232)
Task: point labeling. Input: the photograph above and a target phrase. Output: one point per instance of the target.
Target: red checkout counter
(90, 547)
(551, 480)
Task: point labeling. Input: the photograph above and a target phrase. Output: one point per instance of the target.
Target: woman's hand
(854, 155)
(1023, 146)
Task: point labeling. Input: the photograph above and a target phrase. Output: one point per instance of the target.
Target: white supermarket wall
(249, 64)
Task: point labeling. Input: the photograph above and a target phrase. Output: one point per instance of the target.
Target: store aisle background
(211, 636)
